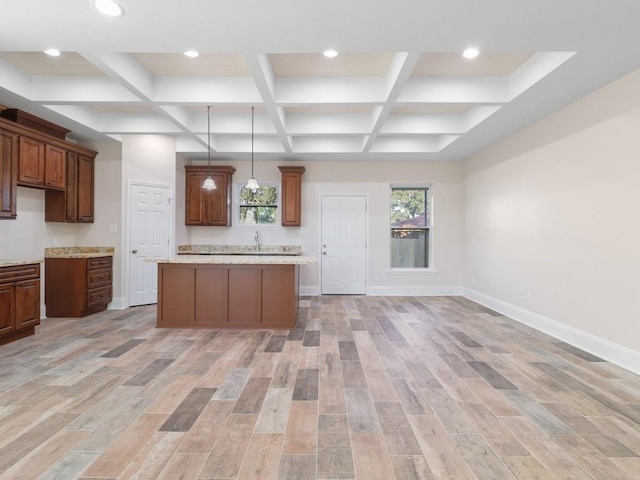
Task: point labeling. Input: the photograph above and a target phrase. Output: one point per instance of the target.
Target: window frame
(428, 228)
(236, 210)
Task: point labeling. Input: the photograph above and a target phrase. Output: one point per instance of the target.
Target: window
(410, 227)
(258, 206)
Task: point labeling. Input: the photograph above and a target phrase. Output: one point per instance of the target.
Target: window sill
(411, 271)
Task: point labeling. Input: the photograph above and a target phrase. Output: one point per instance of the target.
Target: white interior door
(344, 267)
(150, 223)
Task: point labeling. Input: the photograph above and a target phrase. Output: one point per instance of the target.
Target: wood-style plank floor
(389, 388)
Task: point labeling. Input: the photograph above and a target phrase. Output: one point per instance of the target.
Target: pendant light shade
(252, 184)
(209, 184)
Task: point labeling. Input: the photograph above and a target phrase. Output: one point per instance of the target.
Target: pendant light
(252, 184)
(209, 184)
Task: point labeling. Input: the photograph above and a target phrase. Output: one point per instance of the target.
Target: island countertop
(239, 259)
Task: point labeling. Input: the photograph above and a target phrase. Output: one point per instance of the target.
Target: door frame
(366, 234)
(128, 229)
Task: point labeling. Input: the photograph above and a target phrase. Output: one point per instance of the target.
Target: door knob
(134, 251)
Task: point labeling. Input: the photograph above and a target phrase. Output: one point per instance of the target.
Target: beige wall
(552, 226)
(372, 180)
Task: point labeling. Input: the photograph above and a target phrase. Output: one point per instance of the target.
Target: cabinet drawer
(97, 278)
(99, 296)
(19, 272)
(99, 263)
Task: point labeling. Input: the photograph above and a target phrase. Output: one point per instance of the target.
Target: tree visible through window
(259, 206)
(410, 227)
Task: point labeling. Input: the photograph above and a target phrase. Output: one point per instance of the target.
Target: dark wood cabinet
(208, 207)
(75, 203)
(227, 296)
(41, 158)
(31, 162)
(76, 287)
(41, 164)
(55, 167)
(291, 214)
(19, 301)
(8, 173)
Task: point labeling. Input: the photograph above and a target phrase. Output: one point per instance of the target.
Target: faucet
(256, 239)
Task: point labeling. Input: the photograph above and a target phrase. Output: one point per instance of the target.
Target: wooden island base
(227, 296)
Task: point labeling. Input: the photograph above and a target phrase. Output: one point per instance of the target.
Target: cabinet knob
(324, 253)
(134, 251)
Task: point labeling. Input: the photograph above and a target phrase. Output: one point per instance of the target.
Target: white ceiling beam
(15, 80)
(398, 144)
(423, 124)
(264, 80)
(478, 114)
(78, 113)
(141, 123)
(304, 124)
(399, 72)
(535, 69)
(206, 91)
(330, 90)
(455, 90)
(323, 144)
(70, 90)
(234, 144)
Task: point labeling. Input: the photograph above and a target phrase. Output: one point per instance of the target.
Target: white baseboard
(413, 291)
(309, 290)
(118, 303)
(612, 352)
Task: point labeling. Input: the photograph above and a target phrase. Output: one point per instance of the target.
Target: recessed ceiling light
(191, 53)
(330, 53)
(52, 52)
(471, 53)
(109, 8)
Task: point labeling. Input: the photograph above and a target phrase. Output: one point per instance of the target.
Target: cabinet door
(31, 161)
(27, 303)
(217, 204)
(85, 189)
(291, 214)
(8, 173)
(55, 167)
(71, 195)
(194, 203)
(7, 308)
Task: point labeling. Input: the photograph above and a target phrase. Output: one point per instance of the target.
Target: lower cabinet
(76, 287)
(19, 301)
(227, 296)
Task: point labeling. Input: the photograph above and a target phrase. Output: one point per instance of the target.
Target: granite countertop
(239, 259)
(13, 263)
(78, 252)
(239, 250)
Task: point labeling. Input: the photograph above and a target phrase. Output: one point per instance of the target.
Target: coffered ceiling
(399, 88)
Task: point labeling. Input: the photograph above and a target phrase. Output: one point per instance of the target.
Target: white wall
(372, 180)
(552, 228)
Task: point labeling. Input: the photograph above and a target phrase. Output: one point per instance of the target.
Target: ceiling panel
(68, 64)
(484, 65)
(206, 65)
(317, 65)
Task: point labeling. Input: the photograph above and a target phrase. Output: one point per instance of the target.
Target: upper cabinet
(34, 153)
(208, 207)
(8, 173)
(75, 204)
(291, 196)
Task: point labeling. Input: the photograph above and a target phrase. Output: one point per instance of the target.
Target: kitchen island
(229, 291)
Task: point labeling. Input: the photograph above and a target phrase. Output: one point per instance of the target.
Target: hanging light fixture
(209, 184)
(252, 184)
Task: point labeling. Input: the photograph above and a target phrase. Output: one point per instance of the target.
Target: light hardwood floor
(365, 388)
